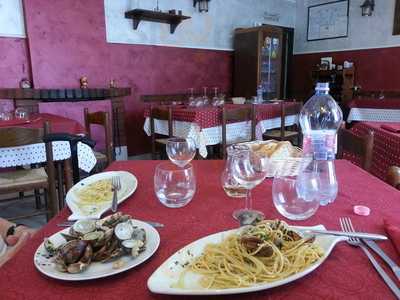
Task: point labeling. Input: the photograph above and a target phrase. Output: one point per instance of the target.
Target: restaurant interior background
(54, 43)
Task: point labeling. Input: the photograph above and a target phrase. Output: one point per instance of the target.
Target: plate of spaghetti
(252, 258)
(92, 196)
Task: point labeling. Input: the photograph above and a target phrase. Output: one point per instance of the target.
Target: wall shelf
(138, 15)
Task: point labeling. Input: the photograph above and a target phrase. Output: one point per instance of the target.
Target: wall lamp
(203, 5)
(367, 8)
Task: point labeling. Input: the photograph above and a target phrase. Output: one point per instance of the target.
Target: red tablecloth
(210, 116)
(346, 274)
(57, 123)
(375, 103)
(386, 151)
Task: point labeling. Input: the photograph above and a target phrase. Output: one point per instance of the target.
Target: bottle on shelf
(320, 119)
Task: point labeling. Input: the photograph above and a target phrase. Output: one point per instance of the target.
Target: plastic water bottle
(319, 119)
(260, 94)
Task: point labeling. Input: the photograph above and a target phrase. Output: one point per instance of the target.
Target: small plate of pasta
(92, 196)
(251, 258)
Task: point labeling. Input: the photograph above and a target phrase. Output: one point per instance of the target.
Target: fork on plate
(347, 226)
(116, 186)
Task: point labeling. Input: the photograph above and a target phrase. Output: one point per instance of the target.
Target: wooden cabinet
(341, 82)
(261, 58)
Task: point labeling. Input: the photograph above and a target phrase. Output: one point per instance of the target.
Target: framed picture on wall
(328, 21)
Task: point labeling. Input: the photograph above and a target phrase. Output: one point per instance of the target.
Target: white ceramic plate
(128, 186)
(96, 269)
(167, 275)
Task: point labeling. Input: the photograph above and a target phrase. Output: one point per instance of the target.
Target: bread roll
(274, 149)
(282, 151)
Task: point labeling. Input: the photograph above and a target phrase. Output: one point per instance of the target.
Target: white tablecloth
(203, 137)
(36, 153)
(374, 115)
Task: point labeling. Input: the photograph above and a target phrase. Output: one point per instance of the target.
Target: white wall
(364, 32)
(11, 18)
(212, 30)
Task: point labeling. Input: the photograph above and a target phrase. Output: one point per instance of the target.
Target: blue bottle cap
(322, 86)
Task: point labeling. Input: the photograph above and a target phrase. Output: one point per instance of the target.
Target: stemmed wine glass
(181, 151)
(191, 99)
(215, 99)
(205, 98)
(249, 170)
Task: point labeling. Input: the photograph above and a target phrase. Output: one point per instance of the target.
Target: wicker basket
(289, 166)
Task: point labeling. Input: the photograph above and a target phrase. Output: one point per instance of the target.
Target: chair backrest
(359, 146)
(163, 114)
(101, 118)
(237, 115)
(20, 136)
(284, 112)
(393, 177)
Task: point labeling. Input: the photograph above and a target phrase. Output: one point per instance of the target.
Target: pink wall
(14, 62)
(375, 69)
(68, 40)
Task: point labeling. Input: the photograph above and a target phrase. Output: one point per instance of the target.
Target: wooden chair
(24, 180)
(283, 133)
(163, 114)
(393, 177)
(358, 146)
(237, 115)
(103, 119)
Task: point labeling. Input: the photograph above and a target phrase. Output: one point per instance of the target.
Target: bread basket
(288, 166)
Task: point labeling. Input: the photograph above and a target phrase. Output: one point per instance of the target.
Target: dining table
(374, 110)
(345, 274)
(204, 124)
(35, 153)
(386, 150)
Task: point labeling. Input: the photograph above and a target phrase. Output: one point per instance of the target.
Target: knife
(374, 246)
(151, 223)
(361, 235)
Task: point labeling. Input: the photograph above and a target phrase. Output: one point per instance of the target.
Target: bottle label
(321, 144)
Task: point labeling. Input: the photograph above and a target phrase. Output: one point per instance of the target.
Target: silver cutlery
(374, 246)
(116, 186)
(151, 223)
(347, 226)
(361, 235)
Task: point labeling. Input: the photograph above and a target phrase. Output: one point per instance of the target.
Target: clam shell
(84, 226)
(123, 231)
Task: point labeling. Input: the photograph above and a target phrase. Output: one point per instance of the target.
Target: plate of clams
(92, 249)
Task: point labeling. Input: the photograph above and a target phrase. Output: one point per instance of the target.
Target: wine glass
(191, 99)
(249, 170)
(215, 99)
(205, 98)
(181, 151)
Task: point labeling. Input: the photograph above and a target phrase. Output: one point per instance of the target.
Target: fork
(347, 226)
(116, 186)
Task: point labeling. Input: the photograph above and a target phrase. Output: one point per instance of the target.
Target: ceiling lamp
(367, 8)
(203, 5)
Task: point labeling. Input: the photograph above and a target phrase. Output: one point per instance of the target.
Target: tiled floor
(9, 209)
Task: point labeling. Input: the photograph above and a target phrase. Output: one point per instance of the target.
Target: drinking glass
(249, 170)
(215, 99)
(21, 113)
(181, 151)
(174, 186)
(191, 99)
(205, 97)
(289, 202)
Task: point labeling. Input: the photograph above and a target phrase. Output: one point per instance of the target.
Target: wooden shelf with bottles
(341, 82)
